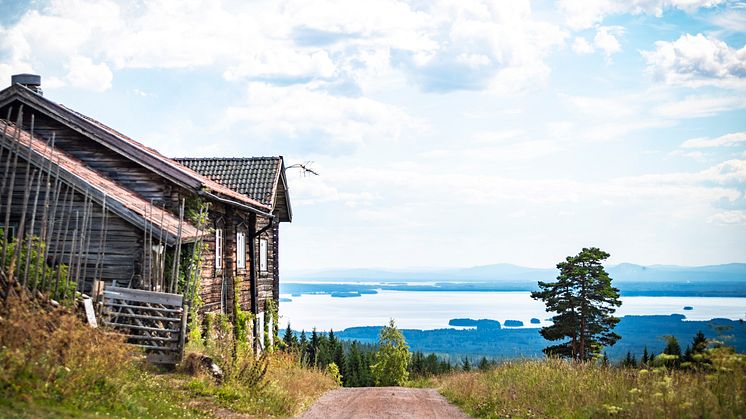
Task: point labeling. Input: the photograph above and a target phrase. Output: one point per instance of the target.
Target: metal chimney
(31, 81)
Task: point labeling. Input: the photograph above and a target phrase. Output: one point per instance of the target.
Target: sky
(445, 133)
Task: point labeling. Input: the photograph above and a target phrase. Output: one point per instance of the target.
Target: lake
(432, 310)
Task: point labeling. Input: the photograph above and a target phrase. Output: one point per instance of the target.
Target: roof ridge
(228, 158)
(194, 176)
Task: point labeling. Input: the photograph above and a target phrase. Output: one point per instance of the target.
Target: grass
(556, 388)
(52, 365)
(288, 389)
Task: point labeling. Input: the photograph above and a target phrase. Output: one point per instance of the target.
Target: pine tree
(628, 360)
(484, 364)
(302, 343)
(687, 357)
(699, 343)
(585, 302)
(645, 356)
(289, 338)
(313, 348)
(338, 354)
(323, 355)
(354, 367)
(466, 365)
(672, 346)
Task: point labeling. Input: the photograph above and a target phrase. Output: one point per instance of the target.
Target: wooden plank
(146, 317)
(155, 347)
(142, 296)
(163, 310)
(153, 338)
(90, 314)
(134, 326)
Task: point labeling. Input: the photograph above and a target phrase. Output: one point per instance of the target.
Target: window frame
(219, 246)
(240, 250)
(263, 255)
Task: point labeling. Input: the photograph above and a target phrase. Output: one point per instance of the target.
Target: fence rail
(139, 315)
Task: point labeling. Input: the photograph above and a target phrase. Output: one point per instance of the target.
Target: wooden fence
(154, 321)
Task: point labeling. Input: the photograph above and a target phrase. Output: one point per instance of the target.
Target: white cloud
(700, 106)
(325, 123)
(581, 14)
(697, 60)
(581, 46)
(727, 140)
(606, 41)
(83, 73)
(501, 45)
(728, 217)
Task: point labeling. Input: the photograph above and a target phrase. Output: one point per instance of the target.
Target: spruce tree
(484, 364)
(288, 338)
(466, 365)
(699, 343)
(585, 302)
(354, 362)
(313, 348)
(645, 356)
(687, 357)
(302, 343)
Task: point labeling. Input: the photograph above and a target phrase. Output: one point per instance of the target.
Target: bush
(392, 358)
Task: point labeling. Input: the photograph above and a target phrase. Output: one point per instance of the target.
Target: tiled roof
(133, 149)
(119, 200)
(255, 177)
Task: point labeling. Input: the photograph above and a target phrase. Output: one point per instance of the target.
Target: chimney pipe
(30, 81)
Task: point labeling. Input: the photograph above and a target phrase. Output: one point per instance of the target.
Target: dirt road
(382, 403)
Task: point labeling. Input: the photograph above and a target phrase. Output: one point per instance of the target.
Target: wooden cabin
(262, 179)
(121, 213)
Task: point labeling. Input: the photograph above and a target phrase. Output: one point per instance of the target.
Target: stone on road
(382, 403)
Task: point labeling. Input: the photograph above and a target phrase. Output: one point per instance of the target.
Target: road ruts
(382, 403)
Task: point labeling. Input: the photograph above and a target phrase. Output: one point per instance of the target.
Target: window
(218, 248)
(263, 255)
(240, 250)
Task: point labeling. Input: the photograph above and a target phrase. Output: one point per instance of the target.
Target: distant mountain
(486, 273)
(504, 272)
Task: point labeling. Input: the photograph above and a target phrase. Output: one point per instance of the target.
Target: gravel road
(382, 403)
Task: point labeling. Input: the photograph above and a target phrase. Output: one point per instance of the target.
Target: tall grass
(556, 388)
(48, 357)
(276, 384)
(52, 365)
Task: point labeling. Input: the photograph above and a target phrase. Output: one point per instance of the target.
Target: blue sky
(446, 133)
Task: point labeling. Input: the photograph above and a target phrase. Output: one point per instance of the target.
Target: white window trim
(240, 250)
(218, 248)
(263, 255)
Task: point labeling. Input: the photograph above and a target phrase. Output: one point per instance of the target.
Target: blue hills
(631, 279)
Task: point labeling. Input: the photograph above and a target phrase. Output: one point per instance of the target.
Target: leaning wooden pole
(62, 237)
(100, 240)
(41, 265)
(11, 186)
(30, 237)
(177, 251)
(71, 255)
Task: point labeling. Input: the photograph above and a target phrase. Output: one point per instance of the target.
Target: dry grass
(51, 364)
(555, 388)
(286, 389)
